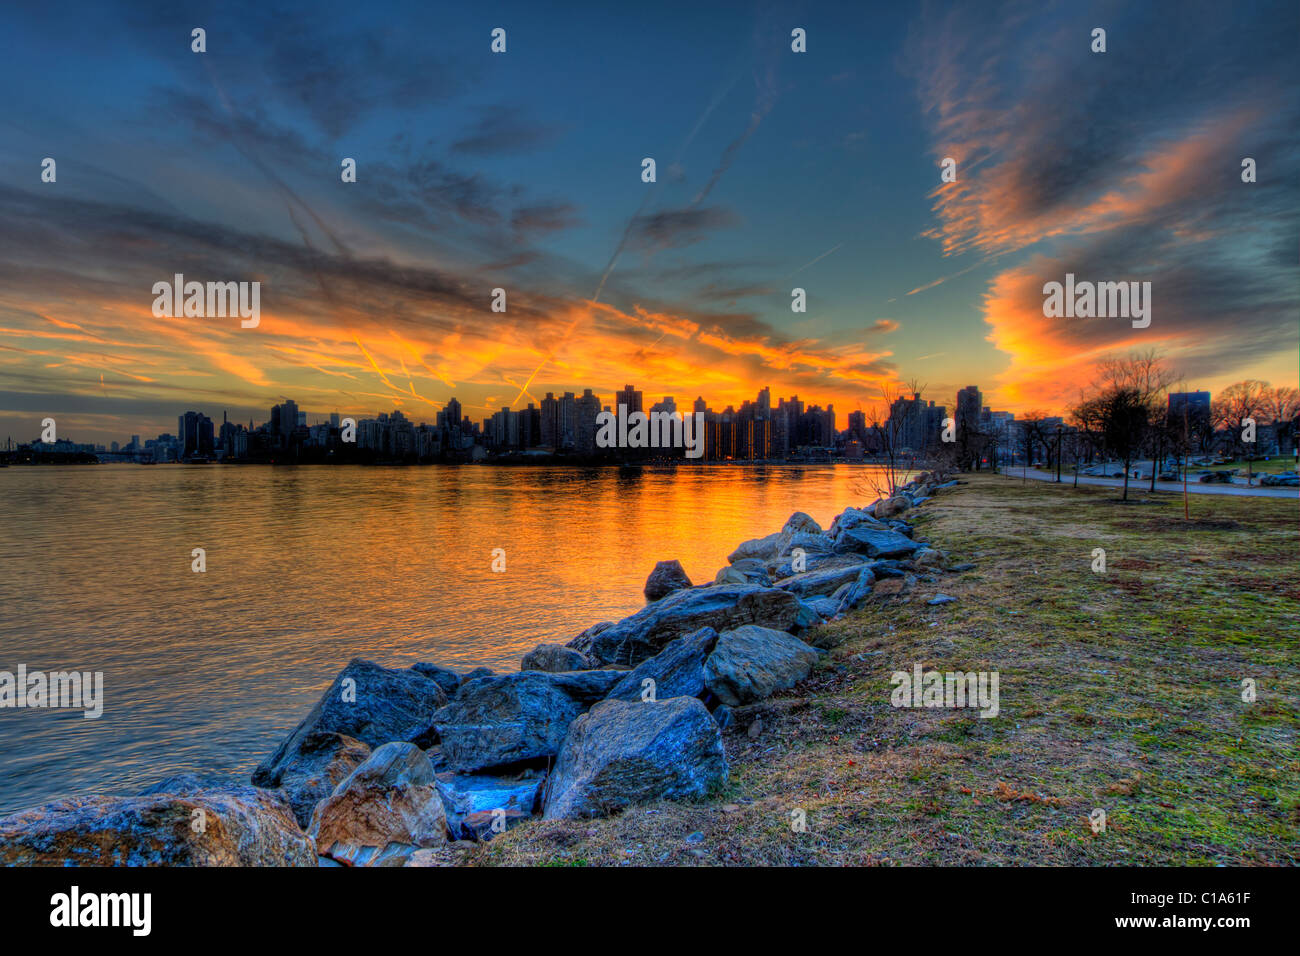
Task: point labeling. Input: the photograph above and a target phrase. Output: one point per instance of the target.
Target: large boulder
(645, 633)
(876, 542)
(817, 562)
(851, 518)
(510, 718)
(373, 704)
(554, 658)
(667, 577)
(753, 570)
(480, 806)
(801, 522)
(227, 826)
(677, 670)
(623, 753)
(760, 548)
(852, 594)
(751, 663)
(824, 581)
(582, 643)
(810, 544)
(730, 575)
(320, 764)
(887, 508)
(444, 677)
(389, 799)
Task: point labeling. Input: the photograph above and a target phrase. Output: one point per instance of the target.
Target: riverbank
(1166, 488)
(1119, 691)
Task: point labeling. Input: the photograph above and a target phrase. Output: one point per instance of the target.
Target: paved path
(1173, 487)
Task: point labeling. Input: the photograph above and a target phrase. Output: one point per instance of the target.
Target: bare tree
(1130, 393)
(891, 429)
(1281, 407)
(1239, 404)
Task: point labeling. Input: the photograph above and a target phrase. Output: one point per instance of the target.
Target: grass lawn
(1120, 691)
(1259, 466)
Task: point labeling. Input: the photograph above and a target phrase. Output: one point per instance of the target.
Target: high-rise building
(969, 403)
(194, 435)
(630, 397)
(549, 416)
(588, 408)
(1197, 405)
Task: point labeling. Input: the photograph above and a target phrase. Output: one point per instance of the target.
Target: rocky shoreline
(392, 764)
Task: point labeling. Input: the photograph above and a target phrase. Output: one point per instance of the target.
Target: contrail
(767, 99)
(815, 261)
(291, 198)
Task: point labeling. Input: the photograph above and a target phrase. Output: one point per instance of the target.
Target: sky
(522, 170)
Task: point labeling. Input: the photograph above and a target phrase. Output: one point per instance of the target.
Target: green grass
(1258, 466)
(1119, 691)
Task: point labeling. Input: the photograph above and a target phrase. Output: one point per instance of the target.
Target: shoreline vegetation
(749, 720)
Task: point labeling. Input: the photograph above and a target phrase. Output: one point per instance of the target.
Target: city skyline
(777, 171)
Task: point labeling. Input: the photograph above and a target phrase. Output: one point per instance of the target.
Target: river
(308, 567)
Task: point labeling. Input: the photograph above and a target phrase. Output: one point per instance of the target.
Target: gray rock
(389, 799)
(852, 595)
(819, 562)
(723, 716)
(241, 826)
(745, 571)
(509, 718)
(760, 548)
(887, 569)
(941, 599)
(587, 687)
(851, 518)
(876, 542)
(823, 581)
(730, 575)
(751, 663)
(826, 607)
(584, 640)
(927, 558)
(645, 633)
(444, 677)
(810, 543)
(889, 507)
(389, 705)
(476, 674)
(667, 577)
(806, 618)
(467, 796)
(623, 753)
(802, 522)
(677, 670)
(321, 763)
(554, 658)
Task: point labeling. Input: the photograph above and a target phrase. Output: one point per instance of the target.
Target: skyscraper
(630, 397)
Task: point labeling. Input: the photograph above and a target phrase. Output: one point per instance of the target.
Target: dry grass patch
(1119, 690)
